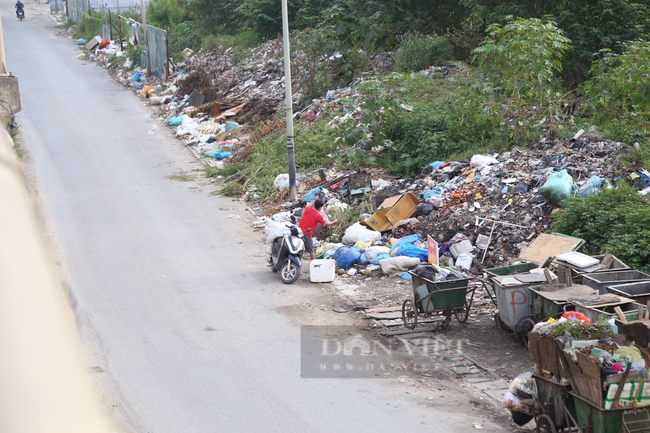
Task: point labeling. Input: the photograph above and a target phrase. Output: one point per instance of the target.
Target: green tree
(522, 57)
(620, 84)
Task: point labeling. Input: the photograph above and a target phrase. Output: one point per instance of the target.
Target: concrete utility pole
(146, 41)
(289, 103)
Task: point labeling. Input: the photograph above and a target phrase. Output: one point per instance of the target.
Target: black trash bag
(521, 188)
(427, 271)
(423, 209)
(520, 418)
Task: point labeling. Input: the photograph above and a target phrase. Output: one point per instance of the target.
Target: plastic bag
(281, 181)
(557, 187)
(347, 256)
(464, 261)
(591, 186)
(189, 126)
(522, 394)
(373, 252)
(410, 250)
(436, 164)
(424, 209)
(357, 232)
(379, 258)
(437, 190)
(481, 160)
(312, 193)
(231, 125)
(175, 121)
(275, 230)
(410, 239)
(137, 76)
(427, 271)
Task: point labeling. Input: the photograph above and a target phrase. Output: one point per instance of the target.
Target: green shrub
(616, 221)
(89, 26)
(210, 43)
(423, 136)
(619, 87)
(417, 52)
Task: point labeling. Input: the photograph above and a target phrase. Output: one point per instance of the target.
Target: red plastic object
(577, 316)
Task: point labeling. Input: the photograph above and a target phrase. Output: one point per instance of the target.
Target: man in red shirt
(311, 217)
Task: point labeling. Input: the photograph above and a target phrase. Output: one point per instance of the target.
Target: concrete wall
(45, 386)
(10, 92)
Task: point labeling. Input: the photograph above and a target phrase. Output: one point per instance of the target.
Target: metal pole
(146, 42)
(287, 89)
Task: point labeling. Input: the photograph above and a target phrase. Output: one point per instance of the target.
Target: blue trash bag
(410, 250)
(311, 195)
(136, 77)
(436, 164)
(175, 121)
(231, 125)
(436, 190)
(557, 187)
(363, 259)
(411, 239)
(81, 41)
(212, 153)
(590, 187)
(376, 260)
(347, 256)
(222, 155)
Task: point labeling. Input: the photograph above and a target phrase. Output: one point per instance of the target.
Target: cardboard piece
(93, 43)
(599, 300)
(392, 211)
(569, 292)
(548, 245)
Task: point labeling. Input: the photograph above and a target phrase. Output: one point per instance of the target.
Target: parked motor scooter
(285, 253)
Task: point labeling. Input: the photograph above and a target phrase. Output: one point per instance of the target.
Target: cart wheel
(545, 424)
(462, 315)
(526, 327)
(409, 314)
(519, 329)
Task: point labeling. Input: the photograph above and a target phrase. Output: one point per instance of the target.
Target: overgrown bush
(620, 85)
(616, 221)
(417, 52)
(423, 136)
(89, 26)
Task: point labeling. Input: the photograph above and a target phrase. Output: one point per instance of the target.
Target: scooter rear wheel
(289, 272)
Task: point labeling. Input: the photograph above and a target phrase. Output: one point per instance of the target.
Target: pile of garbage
(480, 213)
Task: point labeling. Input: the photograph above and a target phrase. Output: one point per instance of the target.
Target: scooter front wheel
(289, 272)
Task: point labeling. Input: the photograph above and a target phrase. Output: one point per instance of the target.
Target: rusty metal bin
(638, 292)
(600, 280)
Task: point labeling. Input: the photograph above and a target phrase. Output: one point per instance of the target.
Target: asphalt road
(176, 304)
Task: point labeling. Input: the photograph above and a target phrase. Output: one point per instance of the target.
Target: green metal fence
(157, 41)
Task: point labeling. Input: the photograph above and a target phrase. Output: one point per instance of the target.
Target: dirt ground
(487, 344)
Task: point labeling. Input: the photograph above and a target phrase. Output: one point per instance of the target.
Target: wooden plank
(383, 309)
(547, 245)
(385, 316)
(407, 331)
(620, 314)
(647, 310)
